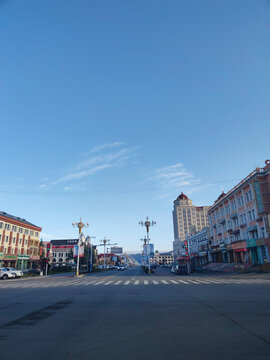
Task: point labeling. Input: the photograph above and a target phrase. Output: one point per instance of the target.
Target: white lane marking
(183, 281)
(146, 282)
(192, 281)
(136, 282)
(99, 282)
(108, 283)
(174, 282)
(203, 282)
(118, 282)
(127, 282)
(164, 282)
(155, 282)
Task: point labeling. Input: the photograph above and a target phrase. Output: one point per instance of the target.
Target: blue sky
(109, 109)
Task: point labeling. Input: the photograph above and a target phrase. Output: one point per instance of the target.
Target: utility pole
(147, 224)
(80, 225)
(105, 242)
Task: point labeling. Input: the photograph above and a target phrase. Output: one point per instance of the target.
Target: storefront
(240, 252)
(33, 262)
(258, 251)
(22, 261)
(1, 258)
(10, 261)
(230, 253)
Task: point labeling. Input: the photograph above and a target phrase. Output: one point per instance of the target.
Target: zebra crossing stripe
(99, 282)
(118, 282)
(108, 283)
(155, 282)
(164, 282)
(136, 282)
(127, 282)
(174, 282)
(146, 282)
(183, 281)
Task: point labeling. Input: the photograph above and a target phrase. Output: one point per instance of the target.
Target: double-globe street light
(80, 225)
(147, 223)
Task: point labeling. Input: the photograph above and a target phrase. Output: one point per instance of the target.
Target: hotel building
(187, 218)
(19, 242)
(239, 220)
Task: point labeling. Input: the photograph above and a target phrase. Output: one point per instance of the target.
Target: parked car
(181, 270)
(173, 269)
(13, 274)
(5, 274)
(121, 268)
(18, 273)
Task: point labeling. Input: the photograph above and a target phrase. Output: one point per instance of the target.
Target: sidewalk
(219, 267)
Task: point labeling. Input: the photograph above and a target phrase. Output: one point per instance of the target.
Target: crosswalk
(56, 283)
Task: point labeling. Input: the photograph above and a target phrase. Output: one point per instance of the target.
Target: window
(14, 228)
(26, 231)
(26, 242)
(6, 238)
(36, 233)
(14, 240)
(20, 230)
(1, 225)
(7, 227)
(31, 233)
(20, 241)
(12, 251)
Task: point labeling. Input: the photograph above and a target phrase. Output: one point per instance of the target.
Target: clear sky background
(109, 109)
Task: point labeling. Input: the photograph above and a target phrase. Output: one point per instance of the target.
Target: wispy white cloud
(107, 158)
(175, 178)
(81, 174)
(107, 145)
(91, 165)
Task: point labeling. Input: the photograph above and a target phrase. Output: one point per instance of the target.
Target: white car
(4, 274)
(18, 273)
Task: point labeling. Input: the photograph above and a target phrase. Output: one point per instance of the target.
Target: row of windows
(15, 228)
(231, 207)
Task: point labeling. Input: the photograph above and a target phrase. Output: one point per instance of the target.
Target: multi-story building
(239, 220)
(187, 218)
(198, 247)
(62, 251)
(19, 242)
(163, 258)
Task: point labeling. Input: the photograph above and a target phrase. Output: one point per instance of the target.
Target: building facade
(163, 258)
(198, 247)
(239, 221)
(19, 242)
(187, 218)
(62, 251)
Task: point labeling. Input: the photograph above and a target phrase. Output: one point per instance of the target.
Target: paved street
(129, 315)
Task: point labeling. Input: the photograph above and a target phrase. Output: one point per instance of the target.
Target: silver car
(4, 274)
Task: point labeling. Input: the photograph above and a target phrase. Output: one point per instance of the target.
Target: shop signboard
(35, 257)
(239, 245)
(23, 257)
(251, 243)
(260, 242)
(10, 257)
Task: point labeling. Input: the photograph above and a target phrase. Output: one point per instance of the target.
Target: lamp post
(147, 223)
(80, 225)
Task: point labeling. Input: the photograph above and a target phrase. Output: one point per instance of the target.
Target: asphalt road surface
(128, 315)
